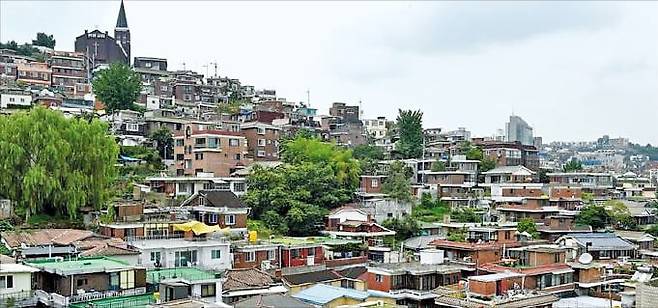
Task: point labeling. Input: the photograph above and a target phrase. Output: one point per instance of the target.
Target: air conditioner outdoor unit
(266, 265)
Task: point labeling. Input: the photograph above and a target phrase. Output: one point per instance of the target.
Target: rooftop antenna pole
(183, 65)
(308, 97)
(215, 64)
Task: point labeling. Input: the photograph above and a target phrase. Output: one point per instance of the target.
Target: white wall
(204, 257)
(349, 215)
(22, 282)
(15, 99)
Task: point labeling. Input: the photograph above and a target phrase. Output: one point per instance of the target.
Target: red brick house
(218, 207)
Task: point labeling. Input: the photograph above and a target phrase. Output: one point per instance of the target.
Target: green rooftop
(154, 276)
(79, 265)
(118, 302)
(294, 241)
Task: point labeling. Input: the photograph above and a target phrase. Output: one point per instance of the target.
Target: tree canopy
(572, 166)
(397, 184)
(51, 164)
(117, 87)
(409, 124)
(404, 228)
(593, 215)
(293, 198)
(164, 142)
(619, 214)
(44, 40)
(528, 225)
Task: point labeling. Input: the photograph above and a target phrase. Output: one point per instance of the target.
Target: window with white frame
(216, 254)
(132, 127)
(229, 220)
(155, 256)
(374, 183)
(6, 282)
(260, 153)
(239, 186)
(261, 130)
(212, 218)
(379, 278)
(127, 279)
(250, 256)
(271, 254)
(234, 142)
(262, 142)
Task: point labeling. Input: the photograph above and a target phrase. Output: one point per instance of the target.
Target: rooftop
(415, 268)
(321, 294)
(185, 273)
(601, 241)
(246, 278)
(271, 300)
(42, 237)
(176, 243)
(80, 266)
(312, 277)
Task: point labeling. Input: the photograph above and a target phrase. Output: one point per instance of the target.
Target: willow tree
(55, 165)
(410, 128)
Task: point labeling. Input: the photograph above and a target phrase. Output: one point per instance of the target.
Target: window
(261, 142)
(261, 131)
(200, 142)
(311, 251)
(239, 187)
(81, 282)
(207, 290)
(223, 186)
(188, 164)
(260, 153)
(180, 156)
(127, 279)
(271, 254)
(216, 254)
(198, 156)
(185, 258)
(294, 253)
(11, 99)
(556, 258)
(234, 142)
(7, 282)
(180, 142)
(250, 256)
(379, 278)
(374, 183)
(349, 284)
(202, 199)
(155, 256)
(132, 127)
(212, 218)
(237, 157)
(213, 142)
(229, 220)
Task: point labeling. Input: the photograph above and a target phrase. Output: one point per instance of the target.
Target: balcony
(85, 297)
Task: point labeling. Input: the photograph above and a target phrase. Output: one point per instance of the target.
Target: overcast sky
(574, 71)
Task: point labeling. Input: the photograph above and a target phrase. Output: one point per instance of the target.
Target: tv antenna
(215, 64)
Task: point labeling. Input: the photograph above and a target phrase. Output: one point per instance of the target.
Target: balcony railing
(85, 297)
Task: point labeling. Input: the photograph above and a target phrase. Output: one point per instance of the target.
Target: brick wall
(372, 283)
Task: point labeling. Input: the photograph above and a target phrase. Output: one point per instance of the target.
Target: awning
(197, 227)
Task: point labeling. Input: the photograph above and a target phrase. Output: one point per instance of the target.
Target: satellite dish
(585, 258)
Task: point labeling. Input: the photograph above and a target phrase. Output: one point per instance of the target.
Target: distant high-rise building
(519, 130)
(538, 142)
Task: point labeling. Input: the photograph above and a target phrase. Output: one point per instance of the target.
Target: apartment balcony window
(213, 142)
(180, 142)
(200, 143)
(234, 142)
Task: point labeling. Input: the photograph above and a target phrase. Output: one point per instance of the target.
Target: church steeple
(122, 33)
(122, 22)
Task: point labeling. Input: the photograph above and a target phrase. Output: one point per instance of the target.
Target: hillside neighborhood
(126, 184)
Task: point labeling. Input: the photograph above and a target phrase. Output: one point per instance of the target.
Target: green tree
(54, 165)
(487, 164)
(275, 222)
(44, 40)
(410, 127)
(528, 225)
(368, 151)
(117, 87)
(572, 166)
(304, 219)
(465, 215)
(164, 142)
(457, 236)
(231, 107)
(593, 215)
(474, 153)
(619, 214)
(404, 228)
(312, 150)
(438, 166)
(397, 184)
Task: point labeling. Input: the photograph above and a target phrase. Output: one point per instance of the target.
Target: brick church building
(101, 48)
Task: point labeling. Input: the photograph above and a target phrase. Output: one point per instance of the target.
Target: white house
(10, 98)
(15, 278)
(210, 254)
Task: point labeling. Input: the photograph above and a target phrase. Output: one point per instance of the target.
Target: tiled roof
(311, 277)
(221, 198)
(271, 300)
(601, 241)
(44, 237)
(109, 250)
(246, 278)
(538, 300)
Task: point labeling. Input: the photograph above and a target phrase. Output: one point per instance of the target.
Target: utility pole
(308, 97)
(215, 64)
(183, 66)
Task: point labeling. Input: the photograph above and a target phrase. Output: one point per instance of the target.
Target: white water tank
(431, 256)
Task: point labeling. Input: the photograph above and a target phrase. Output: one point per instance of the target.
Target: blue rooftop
(321, 294)
(602, 241)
